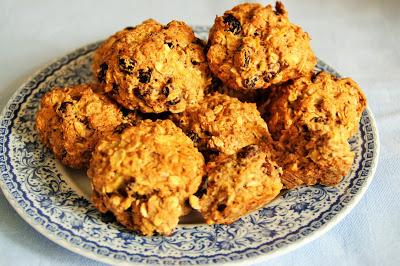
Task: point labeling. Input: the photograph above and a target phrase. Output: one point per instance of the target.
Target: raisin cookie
(253, 47)
(145, 175)
(153, 67)
(238, 184)
(71, 120)
(223, 124)
(311, 120)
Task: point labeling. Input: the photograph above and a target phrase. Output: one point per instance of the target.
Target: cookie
(223, 124)
(238, 184)
(311, 120)
(253, 47)
(153, 67)
(145, 175)
(71, 120)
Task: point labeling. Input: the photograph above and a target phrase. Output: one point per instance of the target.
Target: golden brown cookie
(71, 120)
(223, 124)
(238, 184)
(253, 47)
(145, 175)
(153, 67)
(311, 120)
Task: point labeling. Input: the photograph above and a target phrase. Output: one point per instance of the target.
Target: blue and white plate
(55, 200)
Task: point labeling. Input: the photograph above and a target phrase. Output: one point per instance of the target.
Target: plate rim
(244, 261)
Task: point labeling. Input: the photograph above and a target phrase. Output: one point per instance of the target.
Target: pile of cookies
(173, 123)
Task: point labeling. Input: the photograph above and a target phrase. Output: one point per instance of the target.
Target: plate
(55, 200)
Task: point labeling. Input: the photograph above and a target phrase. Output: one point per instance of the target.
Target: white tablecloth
(358, 38)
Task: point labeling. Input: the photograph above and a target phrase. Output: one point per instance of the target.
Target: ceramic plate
(55, 200)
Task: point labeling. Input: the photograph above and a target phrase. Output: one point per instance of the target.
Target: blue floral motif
(268, 212)
(227, 245)
(299, 207)
(44, 192)
(31, 146)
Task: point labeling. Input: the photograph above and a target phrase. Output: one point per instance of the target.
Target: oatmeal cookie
(71, 120)
(153, 67)
(311, 120)
(238, 184)
(223, 124)
(253, 47)
(145, 175)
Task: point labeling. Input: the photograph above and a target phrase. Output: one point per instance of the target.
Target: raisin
(174, 101)
(195, 62)
(126, 65)
(221, 207)
(122, 191)
(130, 28)
(273, 70)
(115, 88)
(63, 106)
(314, 76)
(233, 23)
(144, 76)
(193, 136)
(319, 119)
(141, 94)
(165, 91)
(247, 151)
(76, 98)
(170, 44)
(280, 9)
(101, 76)
(250, 83)
(268, 76)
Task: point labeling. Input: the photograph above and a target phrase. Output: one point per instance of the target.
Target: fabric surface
(358, 38)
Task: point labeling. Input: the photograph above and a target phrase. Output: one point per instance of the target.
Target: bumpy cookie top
(311, 120)
(223, 124)
(318, 102)
(71, 120)
(252, 47)
(153, 67)
(145, 174)
(238, 184)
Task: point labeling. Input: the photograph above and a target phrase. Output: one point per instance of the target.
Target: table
(358, 38)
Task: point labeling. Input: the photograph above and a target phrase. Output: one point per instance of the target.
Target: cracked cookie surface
(223, 124)
(145, 175)
(153, 67)
(238, 184)
(311, 121)
(253, 47)
(71, 120)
